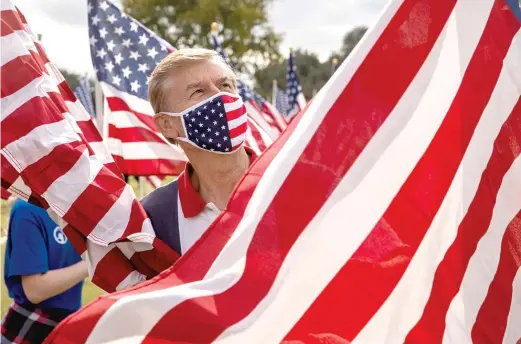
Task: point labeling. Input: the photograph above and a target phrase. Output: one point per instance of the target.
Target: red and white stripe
(256, 138)
(237, 121)
(53, 155)
(258, 117)
(133, 139)
(389, 212)
(299, 106)
(275, 116)
(155, 181)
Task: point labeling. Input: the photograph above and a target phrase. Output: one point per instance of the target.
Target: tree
(351, 39)
(246, 34)
(312, 74)
(71, 78)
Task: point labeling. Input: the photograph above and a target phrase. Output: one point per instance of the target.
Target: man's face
(191, 85)
(198, 82)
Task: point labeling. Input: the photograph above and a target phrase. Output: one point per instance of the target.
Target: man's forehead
(204, 70)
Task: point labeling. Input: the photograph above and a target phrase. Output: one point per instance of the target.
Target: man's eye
(227, 85)
(196, 92)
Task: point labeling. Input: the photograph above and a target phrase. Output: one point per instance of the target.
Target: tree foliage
(246, 33)
(71, 78)
(312, 73)
(350, 40)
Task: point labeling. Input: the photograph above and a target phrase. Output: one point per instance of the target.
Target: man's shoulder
(160, 196)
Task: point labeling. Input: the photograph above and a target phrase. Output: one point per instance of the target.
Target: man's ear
(169, 126)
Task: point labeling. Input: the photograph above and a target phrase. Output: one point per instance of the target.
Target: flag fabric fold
(53, 156)
(392, 204)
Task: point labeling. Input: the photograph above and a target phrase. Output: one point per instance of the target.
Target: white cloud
(317, 26)
(63, 26)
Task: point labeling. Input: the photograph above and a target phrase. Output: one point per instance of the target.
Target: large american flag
(296, 99)
(124, 53)
(390, 212)
(53, 156)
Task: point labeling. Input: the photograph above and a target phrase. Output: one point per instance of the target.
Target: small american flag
(53, 156)
(281, 101)
(388, 212)
(84, 95)
(296, 99)
(124, 53)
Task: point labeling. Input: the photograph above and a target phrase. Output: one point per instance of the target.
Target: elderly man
(194, 95)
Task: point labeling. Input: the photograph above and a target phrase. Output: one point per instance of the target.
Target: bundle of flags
(53, 156)
(389, 212)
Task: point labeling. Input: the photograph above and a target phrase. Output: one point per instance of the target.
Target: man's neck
(215, 176)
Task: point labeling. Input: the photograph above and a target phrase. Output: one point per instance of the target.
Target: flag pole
(334, 63)
(99, 105)
(141, 187)
(274, 92)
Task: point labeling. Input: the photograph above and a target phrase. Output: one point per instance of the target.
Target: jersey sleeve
(28, 249)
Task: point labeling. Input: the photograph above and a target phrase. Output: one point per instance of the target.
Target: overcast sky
(314, 25)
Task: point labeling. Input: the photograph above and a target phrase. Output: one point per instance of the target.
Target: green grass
(90, 291)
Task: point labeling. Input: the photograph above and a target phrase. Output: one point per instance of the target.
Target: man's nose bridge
(214, 89)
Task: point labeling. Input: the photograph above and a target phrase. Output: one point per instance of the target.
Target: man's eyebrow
(193, 85)
(226, 78)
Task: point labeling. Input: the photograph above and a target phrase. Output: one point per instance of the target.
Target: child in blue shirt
(43, 274)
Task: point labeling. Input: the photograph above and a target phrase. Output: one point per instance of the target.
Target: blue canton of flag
(83, 93)
(244, 91)
(515, 5)
(209, 131)
(124, 52)
(293, 87)
(281, 101)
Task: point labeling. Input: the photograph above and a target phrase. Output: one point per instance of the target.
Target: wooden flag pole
(141, 187)
(99, 105)
(274, 92)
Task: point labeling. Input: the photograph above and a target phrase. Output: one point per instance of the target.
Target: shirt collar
(191, 202)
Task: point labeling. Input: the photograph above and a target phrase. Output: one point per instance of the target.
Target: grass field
(90, 291)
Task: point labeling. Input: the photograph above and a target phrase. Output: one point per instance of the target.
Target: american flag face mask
(217, 124)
